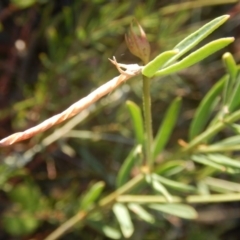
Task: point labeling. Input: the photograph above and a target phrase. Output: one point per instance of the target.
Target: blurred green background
(53, 53)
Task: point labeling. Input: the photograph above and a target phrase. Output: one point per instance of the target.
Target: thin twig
(230, 197)
(131, 70)
(104, 203)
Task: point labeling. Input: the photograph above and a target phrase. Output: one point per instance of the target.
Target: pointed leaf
(174, 184)
(141, 212)
(158, 187)
(224, 160)
(107, 230)
(234, 140)
(234, 100)
(222, 184)
(124, 219)
(137, 121)
(196, 56)
(179, 210)
(171, 167)
(192, 40)
(232, 85)
(125, 170)
(205, 108)
(151, 68)
(166, 127)
(91, 195)
(230, 64)
(205, 161)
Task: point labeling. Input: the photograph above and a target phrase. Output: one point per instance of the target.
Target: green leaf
(221, 184)
(125, 170)
(230, 65)
(234, 140)
(173, 184)
(205, 108)
(196, 56)
(124, 219)
(205, 161)
(137, 121)
(224, 160)
(171, 167)
(192, 40)
(179, 210)
(231, 86)
(141, 212)
(151, 68)
(234, 100)
(166, 128)
(91, 195)
(107, 230)
(235, 127)
(203, 188)
(158, 187)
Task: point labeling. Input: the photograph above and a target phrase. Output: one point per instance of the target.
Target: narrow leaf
(224, 160)
(151, 68)
(234, 140)
(232, 88)
(203, 160)
(223, 184)
(196, 56)
(205, 109)
(124, 219)
(107, 230)
(192, 40)
(166, 128)
(91, 195)
(137, 121)
(179, 210)
(141, 212)
(125, 170)
(230, 65)
(174, 184)
(158, 187)
(171, 167)
(234, 99)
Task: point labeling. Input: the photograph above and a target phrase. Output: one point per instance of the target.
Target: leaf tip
(227, 16)
(226, 55)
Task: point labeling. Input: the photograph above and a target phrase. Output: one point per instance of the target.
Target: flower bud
(138, 45)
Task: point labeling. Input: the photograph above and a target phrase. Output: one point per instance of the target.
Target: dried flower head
(138, 45)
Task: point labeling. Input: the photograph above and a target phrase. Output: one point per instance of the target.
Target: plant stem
(104, 203)
(217, 148)
(212, 131)
(189, 199)
(148, 121)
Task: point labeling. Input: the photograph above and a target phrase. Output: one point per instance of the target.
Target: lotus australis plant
(161, 187)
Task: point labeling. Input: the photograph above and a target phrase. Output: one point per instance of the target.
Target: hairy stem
(147, 121)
